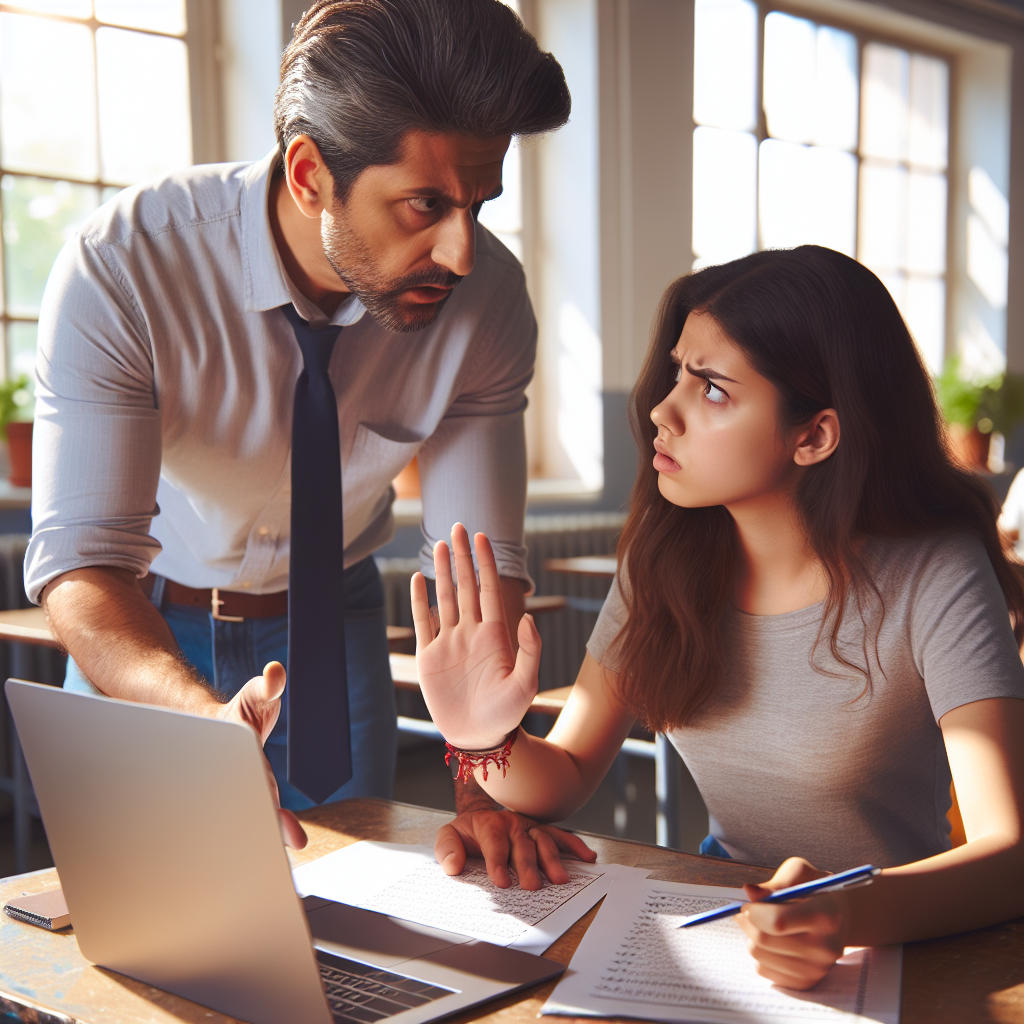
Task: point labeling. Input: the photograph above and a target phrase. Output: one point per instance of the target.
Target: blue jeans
(228, 654)
(711, 847)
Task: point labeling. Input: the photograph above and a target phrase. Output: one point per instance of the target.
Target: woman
(812, 602)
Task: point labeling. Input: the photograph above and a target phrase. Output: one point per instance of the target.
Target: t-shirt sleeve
(601, 646)
(962, 640)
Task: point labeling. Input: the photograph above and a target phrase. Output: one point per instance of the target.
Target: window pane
(836, 90)
(39, 217)
(886, 99)
(926, 223)
(156, 15)
(48, 120)
(69, 8)
(883, 217)
(145, 124)
(929, 111)
(21, 351)
(724, 195)
(725, 64)
(790, 56)
(925, 313)
(807, 195)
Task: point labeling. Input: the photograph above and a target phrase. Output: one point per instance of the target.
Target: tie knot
(315, 343)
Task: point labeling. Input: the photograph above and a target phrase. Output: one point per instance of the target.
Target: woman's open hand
(795, 944)
(476, 691)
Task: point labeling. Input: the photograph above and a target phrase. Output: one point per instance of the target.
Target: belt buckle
(215, 604)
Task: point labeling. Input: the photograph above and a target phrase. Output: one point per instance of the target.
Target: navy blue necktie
(319, 744)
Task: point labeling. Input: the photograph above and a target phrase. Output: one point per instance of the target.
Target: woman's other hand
(795, 944)
(476, 691)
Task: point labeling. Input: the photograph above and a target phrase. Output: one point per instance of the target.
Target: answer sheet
(405, 881)
(635, 961)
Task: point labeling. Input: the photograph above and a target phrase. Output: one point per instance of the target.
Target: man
(216, 348)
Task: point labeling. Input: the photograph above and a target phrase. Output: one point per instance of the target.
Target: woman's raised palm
(476, 690)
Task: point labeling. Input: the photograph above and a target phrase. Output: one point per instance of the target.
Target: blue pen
(830, 883)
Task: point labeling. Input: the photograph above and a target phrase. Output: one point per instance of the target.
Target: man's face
(405, 236)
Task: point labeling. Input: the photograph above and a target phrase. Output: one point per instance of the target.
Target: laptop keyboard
(360, 994)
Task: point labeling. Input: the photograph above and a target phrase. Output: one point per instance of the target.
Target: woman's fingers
(447, 607)
(469, 599)
(421, 611)
(528, 656)
(492, 605)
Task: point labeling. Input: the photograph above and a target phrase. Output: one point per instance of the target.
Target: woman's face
(720, 436)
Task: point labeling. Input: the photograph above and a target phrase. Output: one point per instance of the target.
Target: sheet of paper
(406, 882)
(635, 961)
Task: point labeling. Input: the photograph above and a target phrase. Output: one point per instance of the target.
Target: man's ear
(310, 183)
(817, 439)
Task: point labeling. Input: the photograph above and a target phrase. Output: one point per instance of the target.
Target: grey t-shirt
(790, 764)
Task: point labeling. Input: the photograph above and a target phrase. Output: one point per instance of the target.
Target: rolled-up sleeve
(473, 468)
(96, 440)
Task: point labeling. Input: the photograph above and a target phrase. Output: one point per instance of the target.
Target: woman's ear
(817, 439)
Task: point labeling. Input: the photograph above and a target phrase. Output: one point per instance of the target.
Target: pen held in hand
(830, 883)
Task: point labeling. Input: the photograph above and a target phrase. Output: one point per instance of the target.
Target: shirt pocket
(374, 461)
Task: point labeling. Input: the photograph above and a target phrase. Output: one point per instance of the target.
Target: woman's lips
(665, 464)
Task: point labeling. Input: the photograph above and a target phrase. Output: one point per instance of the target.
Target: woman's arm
(477, 692)
(972, 886)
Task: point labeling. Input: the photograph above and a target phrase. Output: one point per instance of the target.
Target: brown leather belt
(228, 605)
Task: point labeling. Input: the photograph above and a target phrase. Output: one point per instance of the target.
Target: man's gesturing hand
(258, 705)
(476, 691)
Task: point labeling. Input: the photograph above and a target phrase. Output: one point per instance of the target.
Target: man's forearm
(121, 643)
(470, 797)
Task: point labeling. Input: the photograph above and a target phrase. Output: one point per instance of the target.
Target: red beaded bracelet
(470, 759)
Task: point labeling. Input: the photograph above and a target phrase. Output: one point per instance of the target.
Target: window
(111, 109)
(841, 140)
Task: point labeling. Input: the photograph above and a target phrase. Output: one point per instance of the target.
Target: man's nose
(455, 248)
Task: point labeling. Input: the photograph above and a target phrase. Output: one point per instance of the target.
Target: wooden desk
(969, 979)
(584, 565)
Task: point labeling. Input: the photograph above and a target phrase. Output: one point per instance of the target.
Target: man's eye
(714, 394)
(423, 204)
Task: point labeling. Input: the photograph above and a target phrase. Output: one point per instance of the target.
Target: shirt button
(264, 530)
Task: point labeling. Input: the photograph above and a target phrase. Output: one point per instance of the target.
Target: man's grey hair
(359, 74)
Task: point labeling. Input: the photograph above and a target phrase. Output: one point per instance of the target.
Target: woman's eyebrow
(707, 373)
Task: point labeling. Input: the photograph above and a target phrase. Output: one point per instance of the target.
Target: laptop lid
(166, 839)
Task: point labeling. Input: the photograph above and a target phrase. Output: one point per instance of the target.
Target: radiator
(564, 633)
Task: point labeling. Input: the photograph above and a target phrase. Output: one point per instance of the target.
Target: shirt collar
(267, 286)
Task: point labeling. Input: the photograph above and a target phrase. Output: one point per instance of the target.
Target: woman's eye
(714, 394)
(423, 204)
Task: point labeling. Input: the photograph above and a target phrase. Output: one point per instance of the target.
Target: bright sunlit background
(93, 97)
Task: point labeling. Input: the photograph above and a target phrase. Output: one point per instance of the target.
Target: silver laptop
(166, 841)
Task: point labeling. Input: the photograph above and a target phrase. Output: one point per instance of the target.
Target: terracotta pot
(19, 445)
(407, 483)
(970, 446)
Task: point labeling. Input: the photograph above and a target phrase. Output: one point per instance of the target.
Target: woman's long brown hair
(825, 331)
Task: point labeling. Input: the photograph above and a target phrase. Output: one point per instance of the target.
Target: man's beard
(351, 260)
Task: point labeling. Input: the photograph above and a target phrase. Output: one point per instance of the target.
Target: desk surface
(977, 977)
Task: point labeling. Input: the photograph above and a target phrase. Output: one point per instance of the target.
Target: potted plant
(976, 411)
(16, 427)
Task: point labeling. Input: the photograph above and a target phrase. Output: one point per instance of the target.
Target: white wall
(250, 40)
(565, 256)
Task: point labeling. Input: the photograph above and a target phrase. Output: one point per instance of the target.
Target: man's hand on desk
(258, 705)
(500, 837)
